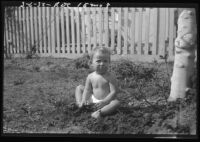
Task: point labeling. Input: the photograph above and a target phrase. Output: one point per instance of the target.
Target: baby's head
(100, 50)
(100, 57)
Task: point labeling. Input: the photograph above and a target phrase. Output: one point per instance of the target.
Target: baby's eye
(98, 61)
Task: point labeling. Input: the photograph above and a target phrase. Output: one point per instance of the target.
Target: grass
(39, 95)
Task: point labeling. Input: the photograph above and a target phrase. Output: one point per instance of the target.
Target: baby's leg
(106, 110)
(78, 94)
(110, 108)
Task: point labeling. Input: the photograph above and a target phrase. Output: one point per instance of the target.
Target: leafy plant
(82, 62)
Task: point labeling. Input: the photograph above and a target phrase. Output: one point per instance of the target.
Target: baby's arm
(113, 90)
(87, 90)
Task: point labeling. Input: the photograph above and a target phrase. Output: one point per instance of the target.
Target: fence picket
(40, 30)
(52, 30)
(147, 22)
(78, 31)
(88, 30)
(57, 15)
(83, 30)
(10, 35)
(125, 31)
(119, 32)
(106, 26)
(17, 28)
(67, 29)
(20, 32)
(36, 29)
(62, 30)
(113, 30)
(25, 30)
(31, 22)
(167, 23)
(94, 28)
(72, 30)
(28, 29)
(48, 30)
(162, 32)
(155, 36)
(4, 42)
(171, 32)
(6, 30)
(44, 29)
(100, 26)
(132, 30)
(14, 35)
(15, 31)
(139, 45)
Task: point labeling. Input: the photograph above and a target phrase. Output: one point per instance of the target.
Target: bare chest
(100, 82)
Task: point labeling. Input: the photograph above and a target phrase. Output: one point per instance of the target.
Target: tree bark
(184, 55)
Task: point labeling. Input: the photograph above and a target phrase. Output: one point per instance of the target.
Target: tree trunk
(184, 55)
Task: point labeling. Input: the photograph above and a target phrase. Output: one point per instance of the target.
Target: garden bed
(38, 97)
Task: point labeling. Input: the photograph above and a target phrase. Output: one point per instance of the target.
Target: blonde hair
(102, 50)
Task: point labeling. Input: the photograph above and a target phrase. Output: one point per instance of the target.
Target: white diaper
(94, 100)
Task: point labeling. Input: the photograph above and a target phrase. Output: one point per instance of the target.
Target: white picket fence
(138, 33)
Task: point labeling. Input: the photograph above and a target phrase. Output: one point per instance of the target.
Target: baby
(100, 87)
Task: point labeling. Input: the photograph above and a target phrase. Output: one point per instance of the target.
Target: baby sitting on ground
(100, 87)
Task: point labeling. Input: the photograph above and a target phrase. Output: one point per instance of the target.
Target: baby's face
(101, 62)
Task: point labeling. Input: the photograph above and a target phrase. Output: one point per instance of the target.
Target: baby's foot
(96, 114)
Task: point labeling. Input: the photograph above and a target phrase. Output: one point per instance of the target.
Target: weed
(19, 82)
(36, 68)
(32, 52)
(82, 62)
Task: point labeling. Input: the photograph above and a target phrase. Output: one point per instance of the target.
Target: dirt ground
(38, 97)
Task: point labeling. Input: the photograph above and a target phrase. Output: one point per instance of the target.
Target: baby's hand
(100, 104)
(81, 104)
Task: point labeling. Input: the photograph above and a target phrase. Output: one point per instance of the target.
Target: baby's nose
(101, 63)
